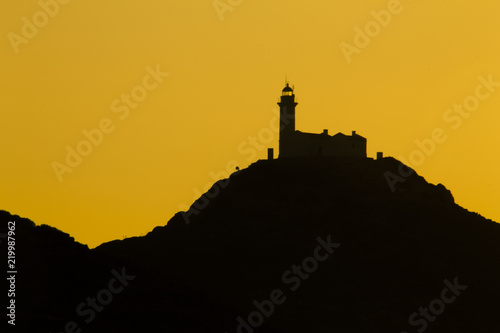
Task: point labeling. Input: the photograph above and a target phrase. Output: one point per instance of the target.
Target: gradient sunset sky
(183, 90)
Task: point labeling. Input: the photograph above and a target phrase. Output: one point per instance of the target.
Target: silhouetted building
(293, 143)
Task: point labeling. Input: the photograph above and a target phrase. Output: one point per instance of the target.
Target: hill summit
(294, 245)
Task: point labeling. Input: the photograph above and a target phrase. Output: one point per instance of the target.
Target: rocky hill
(317, 245)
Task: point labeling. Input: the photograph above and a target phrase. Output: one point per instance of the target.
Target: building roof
(324, 136)
(352, 137)
(287, 88)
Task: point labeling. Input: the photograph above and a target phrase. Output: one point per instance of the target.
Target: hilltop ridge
(236, 245)
(326, 240)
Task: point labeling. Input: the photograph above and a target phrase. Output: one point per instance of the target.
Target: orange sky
(391, 70)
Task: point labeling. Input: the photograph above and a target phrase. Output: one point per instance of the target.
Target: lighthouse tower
(287, 106)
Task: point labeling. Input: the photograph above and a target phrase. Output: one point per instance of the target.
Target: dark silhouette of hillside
(396, 250)
(56, 274)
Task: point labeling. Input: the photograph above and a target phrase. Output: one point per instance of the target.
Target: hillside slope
(392, 252)
(57, 279)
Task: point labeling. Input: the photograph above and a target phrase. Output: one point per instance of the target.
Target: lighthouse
(287, 106)
(294, 143)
